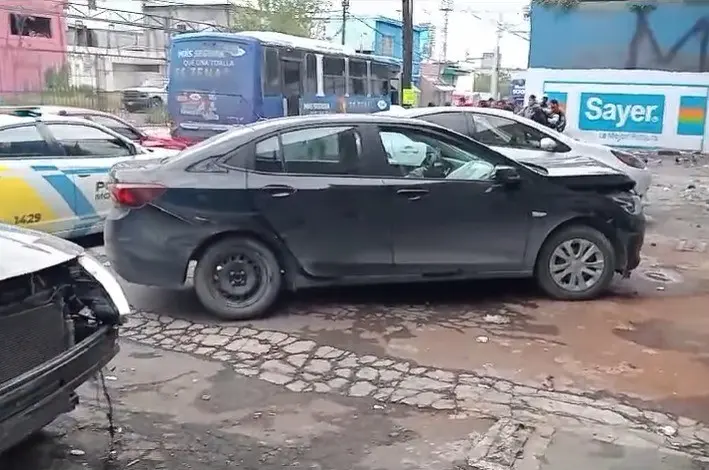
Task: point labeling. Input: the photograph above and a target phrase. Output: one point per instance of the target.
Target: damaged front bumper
(92, 308)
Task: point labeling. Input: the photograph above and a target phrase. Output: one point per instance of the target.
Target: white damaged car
(60, 310)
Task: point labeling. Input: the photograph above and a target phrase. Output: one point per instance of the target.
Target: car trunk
(45, 313)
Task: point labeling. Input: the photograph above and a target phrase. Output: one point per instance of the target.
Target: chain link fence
(128, 82)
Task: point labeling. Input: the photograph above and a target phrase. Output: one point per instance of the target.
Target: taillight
(629, 159)
(135, 194)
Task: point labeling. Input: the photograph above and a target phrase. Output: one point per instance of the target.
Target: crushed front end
(58, 327)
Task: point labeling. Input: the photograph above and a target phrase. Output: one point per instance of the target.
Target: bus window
(380, 80)
(358, 77)
(334, 75)
(271, 76)
(311, 74)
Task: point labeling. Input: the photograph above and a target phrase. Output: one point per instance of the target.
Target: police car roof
(10, 119)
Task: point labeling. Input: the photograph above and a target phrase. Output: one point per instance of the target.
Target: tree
(296, 17)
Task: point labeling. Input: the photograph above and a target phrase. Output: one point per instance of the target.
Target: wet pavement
(618, 382)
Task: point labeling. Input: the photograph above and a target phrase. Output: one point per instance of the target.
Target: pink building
(32, 43)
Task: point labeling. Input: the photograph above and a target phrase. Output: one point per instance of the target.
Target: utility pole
(446, 8)
(495, 75)
(407, 13)
(345, 11)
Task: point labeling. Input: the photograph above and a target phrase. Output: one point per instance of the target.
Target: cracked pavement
(485, 376)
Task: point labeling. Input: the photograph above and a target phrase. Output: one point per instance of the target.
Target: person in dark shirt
(557, 117)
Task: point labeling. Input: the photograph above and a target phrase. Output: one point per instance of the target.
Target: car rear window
(215, 146)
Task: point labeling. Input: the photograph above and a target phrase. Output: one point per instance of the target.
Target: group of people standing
(547, 112)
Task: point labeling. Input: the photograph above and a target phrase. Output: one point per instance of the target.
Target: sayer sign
(619, 112)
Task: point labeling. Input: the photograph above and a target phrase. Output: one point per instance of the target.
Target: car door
(512, 138)
(34, 188)
(90, 153)
(307, 186)
(446, 215)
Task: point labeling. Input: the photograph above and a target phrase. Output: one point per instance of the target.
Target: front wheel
(577, 263)
(238, 279)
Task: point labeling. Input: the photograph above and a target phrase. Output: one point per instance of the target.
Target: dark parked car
(59, 315)
(329, 200)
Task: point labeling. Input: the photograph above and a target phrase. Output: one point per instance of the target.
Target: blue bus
(218, 80)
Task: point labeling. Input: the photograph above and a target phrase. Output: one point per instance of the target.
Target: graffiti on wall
(672, 36)
(643, 31)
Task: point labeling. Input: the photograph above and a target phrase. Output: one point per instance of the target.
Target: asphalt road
(471, 375)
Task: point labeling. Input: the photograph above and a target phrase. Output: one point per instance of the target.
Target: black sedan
(351, 199)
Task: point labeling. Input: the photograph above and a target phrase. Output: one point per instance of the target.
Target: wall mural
(670, 36)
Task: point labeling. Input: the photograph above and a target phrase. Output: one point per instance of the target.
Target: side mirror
(507, 175)
(547, 144)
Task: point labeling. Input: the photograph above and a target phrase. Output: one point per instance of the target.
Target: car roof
(54, 109)
(9, 119)
(418, 112)
(243, 134)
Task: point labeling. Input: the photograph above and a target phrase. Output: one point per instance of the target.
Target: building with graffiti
(630, 73)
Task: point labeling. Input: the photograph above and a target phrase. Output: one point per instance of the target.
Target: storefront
(629, 108)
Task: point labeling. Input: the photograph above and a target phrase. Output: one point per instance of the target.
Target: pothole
(665, 276)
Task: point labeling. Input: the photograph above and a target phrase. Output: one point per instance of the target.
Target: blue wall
(614, 35)
(390, 27)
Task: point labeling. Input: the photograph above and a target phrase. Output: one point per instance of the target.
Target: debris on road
(482, 339)
(496, 319)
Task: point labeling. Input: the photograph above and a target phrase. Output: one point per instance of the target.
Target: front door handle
(413, 194)
(83, 175)
(278, 190)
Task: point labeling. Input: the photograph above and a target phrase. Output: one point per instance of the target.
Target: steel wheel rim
(577, 265)
(238, 278)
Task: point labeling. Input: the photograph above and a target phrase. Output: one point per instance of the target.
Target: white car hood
(24, 251)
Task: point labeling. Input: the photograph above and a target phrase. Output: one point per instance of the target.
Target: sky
(471, 29)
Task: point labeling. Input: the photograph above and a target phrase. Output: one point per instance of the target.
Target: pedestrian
(534, 111)
(545, 103)
(557, 116)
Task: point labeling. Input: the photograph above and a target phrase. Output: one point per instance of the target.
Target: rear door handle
(279, 190)
(413, 194)
(83, 175)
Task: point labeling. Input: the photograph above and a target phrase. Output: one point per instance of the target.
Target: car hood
(583, 173)
(25, 251)
(564, 165)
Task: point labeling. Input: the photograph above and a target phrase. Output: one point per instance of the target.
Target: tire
(549, 254)
(261, 263)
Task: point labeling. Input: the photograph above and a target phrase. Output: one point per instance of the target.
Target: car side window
(504, 132)
(23, 142)
(455, 121)
(315, 151)
(116, 126)
(416, 154)
(79, 140)
(268, 156)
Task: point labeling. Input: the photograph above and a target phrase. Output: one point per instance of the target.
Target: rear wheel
(238, 279)
(577, 263)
